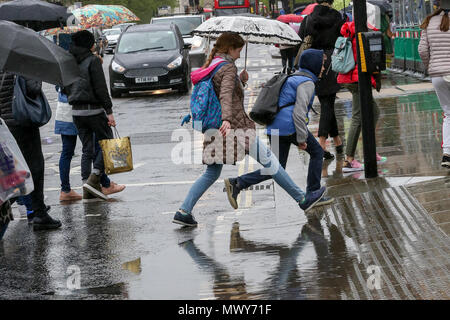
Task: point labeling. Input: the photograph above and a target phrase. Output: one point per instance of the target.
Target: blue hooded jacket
(310, 62)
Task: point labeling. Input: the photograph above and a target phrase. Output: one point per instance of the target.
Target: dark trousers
(87, 126)
(314, 169)
(29, 141)
(68, 148)
(90, 150)
(287, 58)
(328, 124)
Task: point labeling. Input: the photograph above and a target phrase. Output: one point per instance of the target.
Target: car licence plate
(146, 79)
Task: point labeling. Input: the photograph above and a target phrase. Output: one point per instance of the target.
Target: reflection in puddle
(133, 266)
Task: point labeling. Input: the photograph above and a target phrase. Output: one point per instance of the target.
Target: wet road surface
(384, 238)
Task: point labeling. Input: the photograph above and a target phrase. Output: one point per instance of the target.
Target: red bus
(235, 7)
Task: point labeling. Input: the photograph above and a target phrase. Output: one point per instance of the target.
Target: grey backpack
(266, 106)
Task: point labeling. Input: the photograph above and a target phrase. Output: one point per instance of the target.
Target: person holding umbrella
(218, 149)
(29, 140)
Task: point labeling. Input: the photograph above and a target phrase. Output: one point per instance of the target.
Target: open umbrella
(309, 9)
(65, 30)
(24, 52)
(252, 29)
(94, 15)
(290, 18)
(46, 14)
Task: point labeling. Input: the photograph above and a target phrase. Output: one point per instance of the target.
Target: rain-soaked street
(384, 238)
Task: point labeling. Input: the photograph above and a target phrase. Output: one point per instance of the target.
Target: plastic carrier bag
(15, 176)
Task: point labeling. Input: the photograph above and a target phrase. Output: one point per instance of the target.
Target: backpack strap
(299, 73)
(220, 65)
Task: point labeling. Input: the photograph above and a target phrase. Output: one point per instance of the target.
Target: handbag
(117, 154)
(28, 111)
(305, 45)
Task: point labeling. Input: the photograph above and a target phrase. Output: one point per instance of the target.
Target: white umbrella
(252, 29)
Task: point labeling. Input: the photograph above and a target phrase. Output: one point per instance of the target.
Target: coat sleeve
(305, 92)
(99, 85)
(227, 87)
(424, 48)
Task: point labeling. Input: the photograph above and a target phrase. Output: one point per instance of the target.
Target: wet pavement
(383, 238)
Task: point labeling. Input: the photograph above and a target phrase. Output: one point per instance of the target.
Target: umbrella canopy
(34, 10)
(24, 52)
(252, 29)
(309, 9)
(103, 15)
(65, 30)
(290, 18)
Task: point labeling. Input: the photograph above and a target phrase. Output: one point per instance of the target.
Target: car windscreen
(185, 24)
(111, 32)
(160, 40)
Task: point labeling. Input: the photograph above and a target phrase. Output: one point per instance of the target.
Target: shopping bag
(15, 176)
(117, 154)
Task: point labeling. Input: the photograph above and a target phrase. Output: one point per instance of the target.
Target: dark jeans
(29, 141)
(328, 124)
(3, 228)
(26, 201)
(87, 126)
(68, 149)
(314, 169)
(287, 58)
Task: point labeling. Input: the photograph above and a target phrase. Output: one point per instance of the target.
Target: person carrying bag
(30, 106)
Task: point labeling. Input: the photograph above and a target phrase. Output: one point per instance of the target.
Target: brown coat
(231, 96)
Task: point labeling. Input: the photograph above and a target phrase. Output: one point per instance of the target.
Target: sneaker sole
(324, 203)
(38, 227)
(229, 188)
(346, 170)
(314, 204)
(94, 192)
(446, 164)
(184, 223)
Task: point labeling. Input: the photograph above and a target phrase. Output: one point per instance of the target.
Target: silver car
(187, 23)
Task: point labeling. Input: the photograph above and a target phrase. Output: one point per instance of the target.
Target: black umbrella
(24, 52)
(34, 13)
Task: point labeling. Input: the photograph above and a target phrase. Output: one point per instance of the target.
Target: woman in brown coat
(237, 136)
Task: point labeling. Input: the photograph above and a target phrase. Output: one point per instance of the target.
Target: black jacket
(92, 88)
(6, 98)
(324, 25)
(7, 93)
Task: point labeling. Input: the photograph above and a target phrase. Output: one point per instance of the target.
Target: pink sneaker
(381, 159)
(352, 166)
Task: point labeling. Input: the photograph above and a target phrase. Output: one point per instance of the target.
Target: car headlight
(197, 43)
(175, 63)
(117, 67)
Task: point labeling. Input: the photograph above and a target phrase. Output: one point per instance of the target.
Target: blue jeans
(26, 201)
(314, 169)
(3, 230)
(261, 154)
(68, 148)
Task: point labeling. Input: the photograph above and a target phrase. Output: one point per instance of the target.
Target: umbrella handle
(246, 47)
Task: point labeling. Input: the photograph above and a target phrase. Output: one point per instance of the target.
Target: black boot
(43, 221)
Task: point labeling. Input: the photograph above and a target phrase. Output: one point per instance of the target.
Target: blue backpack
(205, 105)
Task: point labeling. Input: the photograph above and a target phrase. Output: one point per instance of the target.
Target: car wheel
(116, 93)
(186, 86)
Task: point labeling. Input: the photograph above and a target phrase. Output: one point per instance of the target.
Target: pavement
(383, 238)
